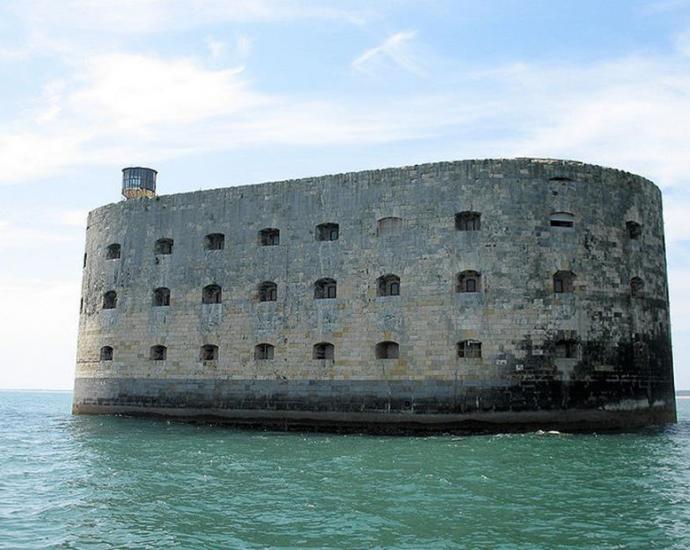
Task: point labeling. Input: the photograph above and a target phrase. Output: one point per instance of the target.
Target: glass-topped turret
(138, 182)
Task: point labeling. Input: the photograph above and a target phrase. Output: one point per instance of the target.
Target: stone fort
(456, 296)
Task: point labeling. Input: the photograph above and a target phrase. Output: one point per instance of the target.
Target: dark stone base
(380, 406)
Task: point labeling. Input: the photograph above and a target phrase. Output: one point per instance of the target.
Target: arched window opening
(634, 229)
(106, 353)
(268, 291)
(468, 221)
(263, 352)
(163, 247)
(469, 281)
(110, 300)
(470, 349)
(563, 282)
(562, 219)
(325, 289)
(388, 285)
(566, 349)
(214, 241)
(387, 350)
(112, 252)
(636, 286)
(269, 236)
(161, 297)
(158, 353)
(211, 294)
(209, 352)
(324, 350)
(327, 232)
(389, 226)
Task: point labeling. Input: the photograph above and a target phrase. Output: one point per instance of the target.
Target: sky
(225, 92)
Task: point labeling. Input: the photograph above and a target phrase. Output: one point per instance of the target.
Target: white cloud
(13, 235)
(137, 91)
(393, 51)
(154, 16)
(677, 220)
(624, 113)
(216, 47)
(243, 45)
(679, 287)
(71, 217)
(145, 107)
(682, 42)
(663, 6)
(220, 49)
(43, 359)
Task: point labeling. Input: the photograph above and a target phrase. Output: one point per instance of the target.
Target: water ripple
(114, 482)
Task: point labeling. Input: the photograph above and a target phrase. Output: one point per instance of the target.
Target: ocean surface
(113, 482)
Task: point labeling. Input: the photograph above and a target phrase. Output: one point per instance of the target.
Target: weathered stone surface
(620, 375)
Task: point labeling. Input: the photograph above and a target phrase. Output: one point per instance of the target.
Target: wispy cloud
(139, 106)
(13, 235)
(237, 48)
(622, 112)
(394, 51)
(663, 6)
(156, 16)
(682, 42)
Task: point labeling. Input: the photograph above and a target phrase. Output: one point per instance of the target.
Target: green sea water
(113, 482)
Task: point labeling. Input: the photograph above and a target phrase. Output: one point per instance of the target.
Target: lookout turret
(138, 182)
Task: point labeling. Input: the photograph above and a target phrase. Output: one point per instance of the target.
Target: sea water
(115, 482)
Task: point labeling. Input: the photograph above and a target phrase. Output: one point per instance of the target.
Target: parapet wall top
(138, 182)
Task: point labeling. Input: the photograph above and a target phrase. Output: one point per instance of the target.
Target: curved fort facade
(482, 294)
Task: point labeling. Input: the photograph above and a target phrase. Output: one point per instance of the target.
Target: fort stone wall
(565, 321)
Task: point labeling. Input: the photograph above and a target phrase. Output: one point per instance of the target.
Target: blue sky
(217, 93)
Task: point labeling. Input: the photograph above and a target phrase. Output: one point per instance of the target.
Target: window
(110, 300)
(161, 297)
(566, 349)
(562, 219)
(387, 350)
(634, 229)
(209, 352)
(468, 221)
(163, 246)
(214, 241)
(106, 353)
(84, 265)
(469, 349)
(269, 237)
(563, 282)
(560, 178)
(469, 281)
(636, 286)
(389, 226)
(81, 305)
(112, 252)
(327, 232)
(263, 352)
(158, 353)
(388, 285)
(211, 294)
(323, 350)
(325, 288)
(268, 291)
